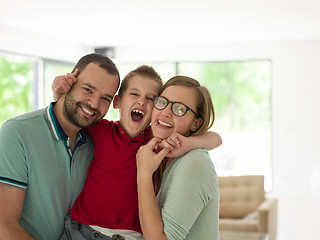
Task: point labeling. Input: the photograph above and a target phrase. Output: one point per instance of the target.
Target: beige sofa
(244, 207)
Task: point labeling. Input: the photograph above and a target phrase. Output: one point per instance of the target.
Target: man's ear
(116, 102)
(196, 125)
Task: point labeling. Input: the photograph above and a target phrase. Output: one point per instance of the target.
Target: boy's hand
(179, 145)
(62, 84)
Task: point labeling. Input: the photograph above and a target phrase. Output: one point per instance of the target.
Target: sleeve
(191, 189)
(13, 161)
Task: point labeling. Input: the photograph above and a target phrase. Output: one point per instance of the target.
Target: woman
(187, 202)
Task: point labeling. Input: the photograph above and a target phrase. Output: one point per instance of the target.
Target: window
(241, 93)
(16, 86)
(25, 83)
(52, 69)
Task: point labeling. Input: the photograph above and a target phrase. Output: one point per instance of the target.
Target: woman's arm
(149, 211)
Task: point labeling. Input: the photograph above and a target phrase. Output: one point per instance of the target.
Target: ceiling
(131, 22)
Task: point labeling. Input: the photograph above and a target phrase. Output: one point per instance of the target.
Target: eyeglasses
(177, 108)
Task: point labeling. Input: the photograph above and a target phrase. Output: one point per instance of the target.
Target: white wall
(295, 110)
(32, 44)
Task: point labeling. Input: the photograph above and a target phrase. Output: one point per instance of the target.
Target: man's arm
(11, 204)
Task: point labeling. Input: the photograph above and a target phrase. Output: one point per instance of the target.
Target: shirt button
(96, 235)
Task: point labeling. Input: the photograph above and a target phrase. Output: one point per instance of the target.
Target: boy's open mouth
(137, 115)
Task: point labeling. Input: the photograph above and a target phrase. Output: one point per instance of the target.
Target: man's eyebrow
(90, 86)
(95, 89)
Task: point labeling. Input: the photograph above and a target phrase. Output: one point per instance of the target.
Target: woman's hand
(149, 157)
(62, 84)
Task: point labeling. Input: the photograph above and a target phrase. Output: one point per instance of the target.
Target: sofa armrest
(268, 211)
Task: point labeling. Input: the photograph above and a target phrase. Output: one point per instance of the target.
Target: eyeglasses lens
(160, 103)
(178, 109)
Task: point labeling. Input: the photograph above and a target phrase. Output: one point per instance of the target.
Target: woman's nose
(167, 110)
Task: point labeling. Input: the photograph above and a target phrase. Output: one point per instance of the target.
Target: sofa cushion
(248, 225)
(240, 195)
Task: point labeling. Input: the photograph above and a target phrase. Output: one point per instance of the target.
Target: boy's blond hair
(144, 71)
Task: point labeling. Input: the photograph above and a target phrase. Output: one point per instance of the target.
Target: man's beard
(71, 111)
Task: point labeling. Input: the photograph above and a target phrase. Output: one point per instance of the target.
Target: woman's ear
(116, 102)
(196, 124)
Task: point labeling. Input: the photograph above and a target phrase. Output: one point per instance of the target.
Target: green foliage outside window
(240, 91)
(15, 88)
(50, 71)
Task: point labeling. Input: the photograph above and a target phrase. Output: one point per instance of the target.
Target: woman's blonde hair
(204, 104)
(204, 108)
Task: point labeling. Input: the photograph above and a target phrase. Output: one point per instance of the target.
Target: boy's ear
(116, 102)
(197, 123)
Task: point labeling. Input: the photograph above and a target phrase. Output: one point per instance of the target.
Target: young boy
(108, 205)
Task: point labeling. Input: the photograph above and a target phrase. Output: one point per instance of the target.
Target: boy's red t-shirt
(109, 198)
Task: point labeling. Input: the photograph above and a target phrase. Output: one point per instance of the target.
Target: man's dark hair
(102, 61)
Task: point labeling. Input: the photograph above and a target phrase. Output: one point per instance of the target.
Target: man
(45, 155)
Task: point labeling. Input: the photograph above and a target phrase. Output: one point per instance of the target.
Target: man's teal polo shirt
(35, 156)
